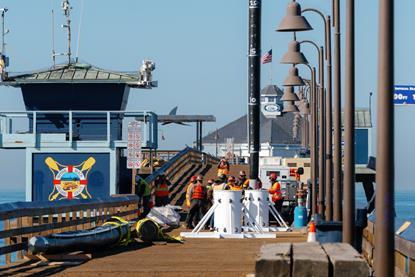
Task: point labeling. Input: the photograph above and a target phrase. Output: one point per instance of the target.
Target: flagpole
(270, 73)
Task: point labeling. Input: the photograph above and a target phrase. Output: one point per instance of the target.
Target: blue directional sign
(404, 95)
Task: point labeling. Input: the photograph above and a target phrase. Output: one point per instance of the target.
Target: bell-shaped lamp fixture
(293, 21)
(290, 107)
(294, 54)
(289, 95)
(293, 79)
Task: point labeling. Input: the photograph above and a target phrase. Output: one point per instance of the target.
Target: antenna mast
(67, 12)
(4, 61)
(53, 39)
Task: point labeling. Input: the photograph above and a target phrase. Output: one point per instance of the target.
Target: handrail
(162, 170)
(149, 118)
(21, 220)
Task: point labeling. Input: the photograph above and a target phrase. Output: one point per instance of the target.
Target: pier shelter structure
(74, 130)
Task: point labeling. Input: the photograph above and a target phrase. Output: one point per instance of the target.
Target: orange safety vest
(223, 169)
(162, 190)
(275, 190)
(198, 192)
(234, 187)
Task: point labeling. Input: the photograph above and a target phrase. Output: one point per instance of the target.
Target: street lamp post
(328, 116)
(313, 139)
(294, 55)
(337, 127)
(384, 228)
(349, 161)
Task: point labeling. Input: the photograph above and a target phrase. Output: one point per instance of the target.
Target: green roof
(72, 73)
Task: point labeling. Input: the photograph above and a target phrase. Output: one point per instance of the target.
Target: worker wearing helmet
(275, 191)
(223, 167)
(162, 190)
(143, 190)
(198, 196)
(243, 181)
(189, 187)
(232, 185)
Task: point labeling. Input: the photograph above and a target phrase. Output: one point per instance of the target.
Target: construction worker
(193, 181)
(218, 185)
(223, 167)
(143, 190)
(232, 185)
(275, 191)
(258, 184)
(162, 191)
(198, 196)
(209, 196)
(243, 181)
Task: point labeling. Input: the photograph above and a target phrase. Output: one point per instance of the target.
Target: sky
(200, 50)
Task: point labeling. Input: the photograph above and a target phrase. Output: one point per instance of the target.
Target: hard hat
(194, 178)
(242, 173)
(273, 176)
(199, 178)
(210, 181)
(231, 178)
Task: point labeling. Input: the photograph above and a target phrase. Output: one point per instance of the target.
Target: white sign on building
(134, 153)
(229, 148)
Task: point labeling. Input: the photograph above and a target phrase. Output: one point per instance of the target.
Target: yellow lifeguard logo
(69, 181)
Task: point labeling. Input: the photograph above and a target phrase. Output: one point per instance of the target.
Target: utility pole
(254, 76)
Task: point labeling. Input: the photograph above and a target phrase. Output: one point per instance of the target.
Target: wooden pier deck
(195, 257)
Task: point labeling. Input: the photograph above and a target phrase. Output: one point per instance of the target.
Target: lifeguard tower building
(73, 130)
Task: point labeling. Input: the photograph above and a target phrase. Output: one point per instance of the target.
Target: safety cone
(311, 232)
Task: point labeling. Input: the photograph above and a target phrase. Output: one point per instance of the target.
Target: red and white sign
(134, 153)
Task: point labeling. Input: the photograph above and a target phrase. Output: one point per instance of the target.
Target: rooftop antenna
(4, 61)
(53, 39)
(66, 7)
(79, 31)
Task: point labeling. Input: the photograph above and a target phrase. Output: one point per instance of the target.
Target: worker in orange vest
(162, 191)
(198, 198)
(232, 185)
(243, 181)
(223, 167)
(189, 187)
(275, 191)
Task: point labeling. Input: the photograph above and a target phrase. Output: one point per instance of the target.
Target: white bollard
(228, 212)
(256, 202)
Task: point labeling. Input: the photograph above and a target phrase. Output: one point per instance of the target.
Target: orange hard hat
(194, 178)
(273, 176)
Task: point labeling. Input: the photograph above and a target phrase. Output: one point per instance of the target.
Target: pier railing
(178, 162)
(20, 129)
(22, 220)
(404, 245)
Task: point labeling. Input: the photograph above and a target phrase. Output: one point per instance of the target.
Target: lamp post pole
(322, 166)
(384, 226)
(337, 133)
(313, 139)
(329, 129)
(349, 133)
(321, 136)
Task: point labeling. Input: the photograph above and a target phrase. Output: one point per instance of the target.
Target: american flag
(267, 58)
